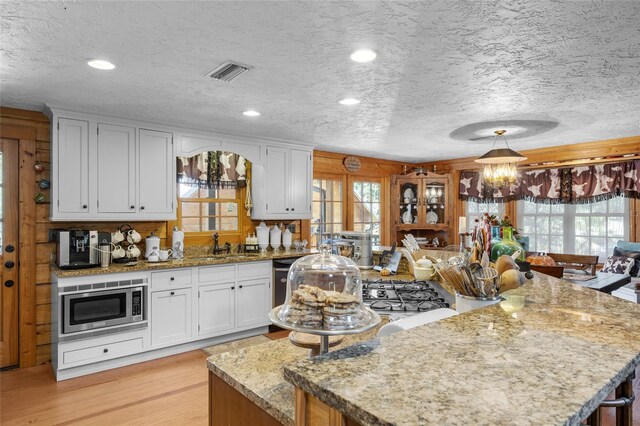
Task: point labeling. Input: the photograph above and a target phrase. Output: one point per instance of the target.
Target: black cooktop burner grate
(402, 295)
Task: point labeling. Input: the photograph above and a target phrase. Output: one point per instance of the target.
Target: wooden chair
(554, 271)
(576, 262)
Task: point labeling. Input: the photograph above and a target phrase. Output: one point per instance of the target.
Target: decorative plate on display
(408, 193)
(432, 217)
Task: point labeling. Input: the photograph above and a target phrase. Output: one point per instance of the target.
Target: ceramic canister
(287, 237)
(152, 244)
(262, 231)
(275, 235)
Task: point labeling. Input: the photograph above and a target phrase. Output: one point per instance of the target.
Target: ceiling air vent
(229, 71)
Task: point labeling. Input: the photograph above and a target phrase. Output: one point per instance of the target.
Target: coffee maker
(362, 243)
(78, 249)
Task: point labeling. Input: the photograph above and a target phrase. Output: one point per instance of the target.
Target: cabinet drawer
(102, 352)
(209, 274)
(171, 279)
(251, 270)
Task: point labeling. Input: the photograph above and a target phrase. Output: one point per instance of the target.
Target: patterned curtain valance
(213, 169)
(567, 185)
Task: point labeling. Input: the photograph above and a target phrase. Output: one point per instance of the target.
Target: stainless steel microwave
(96, 309)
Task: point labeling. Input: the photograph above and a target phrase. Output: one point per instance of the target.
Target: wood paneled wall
(330, 165)
(557, 156)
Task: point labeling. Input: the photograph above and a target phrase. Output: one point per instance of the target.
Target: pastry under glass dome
(324, 296)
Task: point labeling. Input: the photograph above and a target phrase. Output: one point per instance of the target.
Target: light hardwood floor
(170, 391)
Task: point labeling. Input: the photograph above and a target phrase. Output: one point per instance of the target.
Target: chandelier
(500, 166)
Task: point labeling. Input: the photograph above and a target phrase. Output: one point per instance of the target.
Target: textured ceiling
(441, 66)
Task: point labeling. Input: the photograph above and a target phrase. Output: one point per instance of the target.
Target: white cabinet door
(116, 169)
(300, 182)
(170, 317)
(253, 302)
(156, 176)
(72, 185)
(216, 308)
(277, 177)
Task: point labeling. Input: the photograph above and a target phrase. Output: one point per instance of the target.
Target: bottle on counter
(177, 248)
(495, 239)
(507, 245)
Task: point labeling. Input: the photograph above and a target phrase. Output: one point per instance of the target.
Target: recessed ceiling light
(251, 113)
(100, 64)
(363, 55)
(349, 101)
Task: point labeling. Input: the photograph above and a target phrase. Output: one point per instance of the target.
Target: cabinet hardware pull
(9, 248)
(240, 286)
(173, 292)
(133, 207)
(9, 283)
(141, 207)
(105, 350)
(287, 209)
(9, 264)
(293, 209)
(84, 206)
(172, 278)
(233, 288)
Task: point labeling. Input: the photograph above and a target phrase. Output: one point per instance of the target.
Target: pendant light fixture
(500, 165)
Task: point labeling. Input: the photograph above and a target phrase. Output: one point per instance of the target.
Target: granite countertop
(550, 362)
(257, 372)
(187, 262)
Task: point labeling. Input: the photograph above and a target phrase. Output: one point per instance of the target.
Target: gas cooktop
(397, 296)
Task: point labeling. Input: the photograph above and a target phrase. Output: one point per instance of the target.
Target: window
(475, 210)
(204, 210)
(588, 229)
(367, 207)
(327, 210)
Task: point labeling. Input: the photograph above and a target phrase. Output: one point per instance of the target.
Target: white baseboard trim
(83, 370)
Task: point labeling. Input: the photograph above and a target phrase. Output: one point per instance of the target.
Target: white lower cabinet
(253, 302)
(216, 308)
(170, 317)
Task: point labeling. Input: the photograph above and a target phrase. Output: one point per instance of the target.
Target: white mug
(164, 254)
(153, 258)
(133, 251)
(117, 237)
(118, 252)
(133, 236)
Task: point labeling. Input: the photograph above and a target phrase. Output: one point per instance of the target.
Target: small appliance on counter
(362, 252)
(78, 248)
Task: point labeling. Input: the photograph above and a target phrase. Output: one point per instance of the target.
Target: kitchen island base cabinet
(228, 407)
(310, 411)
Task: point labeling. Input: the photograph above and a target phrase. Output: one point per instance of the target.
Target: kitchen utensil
(118, 252)
(163, 255)
(105, 254)
(117, 237)
(133, 237)
(178, 243)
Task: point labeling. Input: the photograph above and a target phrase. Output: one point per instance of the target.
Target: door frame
(26, 137)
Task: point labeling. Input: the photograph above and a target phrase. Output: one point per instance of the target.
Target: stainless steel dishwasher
(280, 271)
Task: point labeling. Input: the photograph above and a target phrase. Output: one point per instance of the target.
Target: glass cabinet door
(409, 196)
(434, 203)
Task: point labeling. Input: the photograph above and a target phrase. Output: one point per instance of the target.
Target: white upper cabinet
(277, 180)
(110, 170)
(300, 185)
(116, 169)
(282, 188)
(71, 162)
(156, 172)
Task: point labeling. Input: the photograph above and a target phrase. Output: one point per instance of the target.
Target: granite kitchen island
(550, 361)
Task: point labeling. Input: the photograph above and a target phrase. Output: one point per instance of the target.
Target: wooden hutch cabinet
(422, 205)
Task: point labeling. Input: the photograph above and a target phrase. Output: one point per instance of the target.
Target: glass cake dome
(324, 291)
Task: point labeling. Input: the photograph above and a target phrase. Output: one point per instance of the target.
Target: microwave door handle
(129, 301)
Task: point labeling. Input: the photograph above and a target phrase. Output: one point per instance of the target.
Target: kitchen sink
(228, 257)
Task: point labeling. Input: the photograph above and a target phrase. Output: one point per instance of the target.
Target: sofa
(631, 291)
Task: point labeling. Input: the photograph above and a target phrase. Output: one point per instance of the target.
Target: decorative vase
(495, 239)
(275, 237)
(262, 232)
(507, 245)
